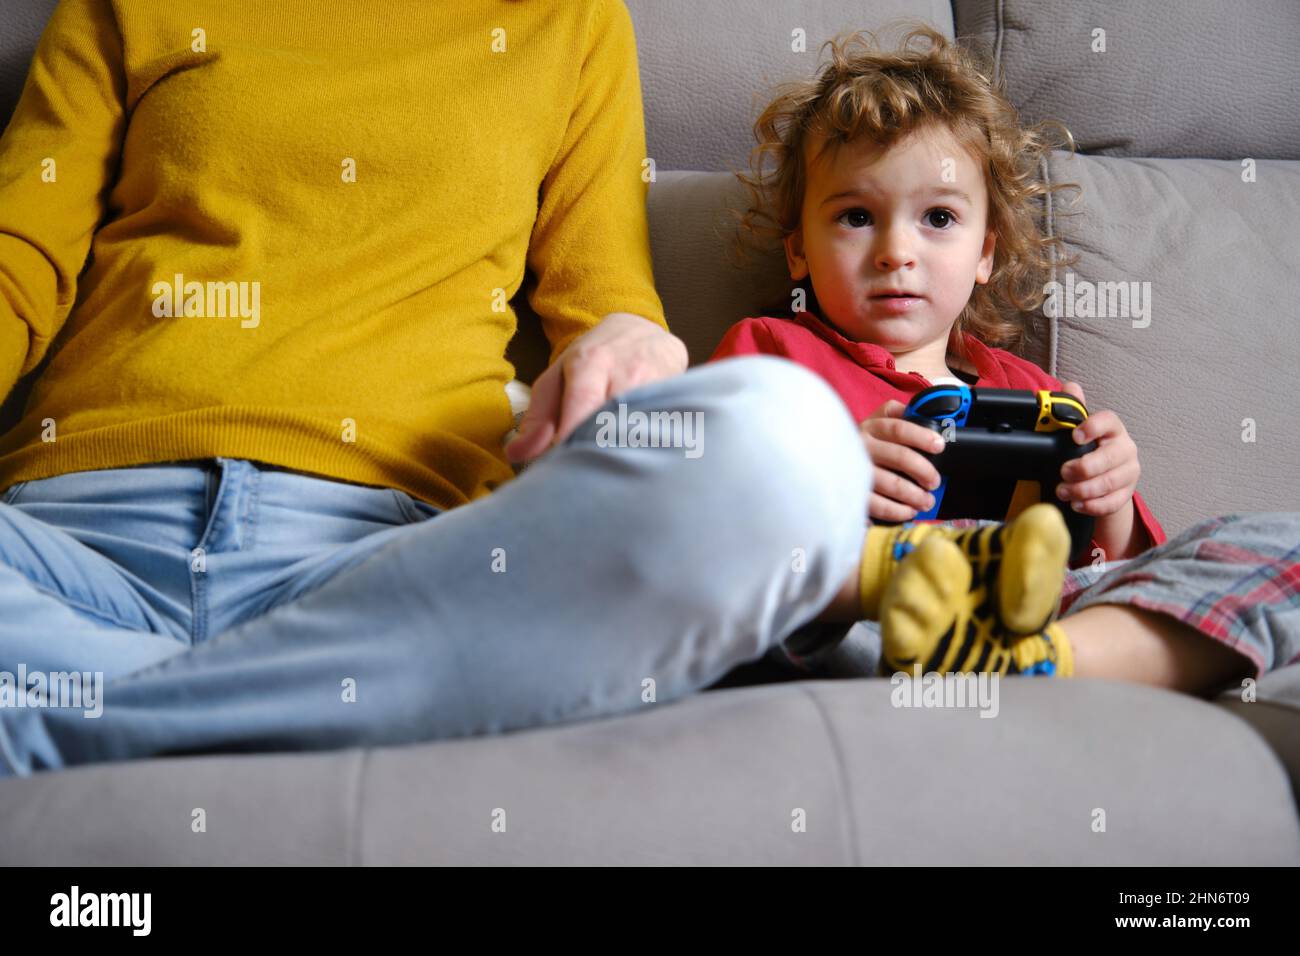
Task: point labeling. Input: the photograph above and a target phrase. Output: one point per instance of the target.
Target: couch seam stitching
(1049, 217)
(352, 852)
(1278, 705)
(841, 772)
(1264, 741)
(997, 46)
(9, 756)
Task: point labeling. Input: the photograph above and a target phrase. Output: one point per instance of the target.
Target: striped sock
(1021, 564)
(937, 616)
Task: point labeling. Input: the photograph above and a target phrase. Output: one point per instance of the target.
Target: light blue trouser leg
(597, 577)
(114, 570)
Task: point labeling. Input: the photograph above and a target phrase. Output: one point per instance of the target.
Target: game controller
(1001, 434)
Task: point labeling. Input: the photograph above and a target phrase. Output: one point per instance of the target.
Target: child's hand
(890, 442)
(1102, 482)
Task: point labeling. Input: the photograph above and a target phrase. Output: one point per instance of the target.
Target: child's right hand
(892, 443)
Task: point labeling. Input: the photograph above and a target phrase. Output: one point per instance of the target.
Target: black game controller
(1001, 436)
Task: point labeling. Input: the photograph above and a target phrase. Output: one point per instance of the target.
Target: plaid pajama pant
(1235, 578)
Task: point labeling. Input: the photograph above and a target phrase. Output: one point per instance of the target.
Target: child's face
(914, 221)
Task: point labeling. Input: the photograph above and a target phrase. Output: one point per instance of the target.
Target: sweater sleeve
(58, 160)
(590, 248)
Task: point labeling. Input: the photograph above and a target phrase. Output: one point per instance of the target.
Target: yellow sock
(1047, 653)
(937, 616)
(1022, 563)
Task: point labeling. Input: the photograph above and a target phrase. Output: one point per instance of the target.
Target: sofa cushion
(1273, 710)
(1177, 78)
(707, 68)
(21, 25)
(1200, 380)
(718, 778)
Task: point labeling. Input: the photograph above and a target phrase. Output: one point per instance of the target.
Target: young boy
(903, 192)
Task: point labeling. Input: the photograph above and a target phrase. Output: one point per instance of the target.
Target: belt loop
(212, 472)
(222, 515)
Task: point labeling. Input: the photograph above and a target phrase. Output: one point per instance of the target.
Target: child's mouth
(896, 302)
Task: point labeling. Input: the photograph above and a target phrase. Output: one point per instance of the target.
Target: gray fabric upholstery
(1223, 269)
(1177, 78)
(707, 67)
(1275, 715)
(715, 779)
(21, 23)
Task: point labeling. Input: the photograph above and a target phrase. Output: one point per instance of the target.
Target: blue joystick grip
(941, 408)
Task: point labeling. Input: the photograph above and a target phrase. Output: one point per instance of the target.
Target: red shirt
(865, 376)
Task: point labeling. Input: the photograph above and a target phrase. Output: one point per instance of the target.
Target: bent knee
(783, 426)
(782, 453)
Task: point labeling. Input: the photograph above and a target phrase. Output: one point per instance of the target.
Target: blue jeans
(230, 605)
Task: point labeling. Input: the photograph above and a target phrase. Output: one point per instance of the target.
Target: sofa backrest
(1168, 78)
(21, 23)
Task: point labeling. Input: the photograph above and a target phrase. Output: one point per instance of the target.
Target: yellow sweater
(301, 223)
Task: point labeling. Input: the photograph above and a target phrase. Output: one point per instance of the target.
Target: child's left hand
(1102, 482)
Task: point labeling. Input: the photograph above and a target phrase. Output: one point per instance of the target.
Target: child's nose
(893, 249)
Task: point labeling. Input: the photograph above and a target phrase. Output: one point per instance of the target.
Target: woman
(258, 489)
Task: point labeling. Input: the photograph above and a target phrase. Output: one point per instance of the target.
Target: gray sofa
(1164, 119)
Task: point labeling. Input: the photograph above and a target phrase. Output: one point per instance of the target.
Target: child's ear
(985, 267)
(794, 257)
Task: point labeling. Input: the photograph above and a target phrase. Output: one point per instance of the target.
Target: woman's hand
(1102, 482)
(620, 353)
(892, 444)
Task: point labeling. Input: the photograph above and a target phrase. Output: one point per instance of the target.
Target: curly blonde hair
(867, 92)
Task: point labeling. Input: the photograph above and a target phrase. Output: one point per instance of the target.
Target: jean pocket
(413, 509)
(12, 492)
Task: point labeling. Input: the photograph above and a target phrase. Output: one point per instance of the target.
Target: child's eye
(940, 218)
(860, 217)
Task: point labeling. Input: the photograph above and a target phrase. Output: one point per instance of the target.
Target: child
(903, 192)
